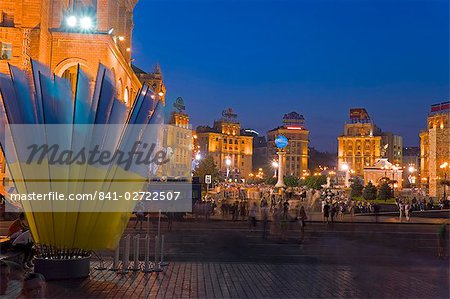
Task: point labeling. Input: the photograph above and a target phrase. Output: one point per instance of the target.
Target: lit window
(5, 53)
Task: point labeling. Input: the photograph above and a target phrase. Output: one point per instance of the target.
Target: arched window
(71, 75)
(126, 95)
(119, 91)
(68, 68)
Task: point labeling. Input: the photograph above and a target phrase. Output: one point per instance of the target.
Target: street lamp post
(275, 167)
(411, 170)
(346, 168)
(228, 164)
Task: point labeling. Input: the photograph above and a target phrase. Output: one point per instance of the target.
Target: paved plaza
(224, 259)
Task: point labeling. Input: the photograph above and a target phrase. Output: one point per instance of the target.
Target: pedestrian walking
(264, 209)
(140, 214)
(400, 209)
(302, 221)
(326, 212)
(407, 211)
(252, 215)
(442, 240)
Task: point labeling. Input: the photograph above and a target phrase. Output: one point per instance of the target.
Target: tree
(291, 181)
(370, 192)
(206, 166)
(385, 191)
(271, 180)
(356, 188)
(315, 182)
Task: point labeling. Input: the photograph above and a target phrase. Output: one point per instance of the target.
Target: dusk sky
(319, 58)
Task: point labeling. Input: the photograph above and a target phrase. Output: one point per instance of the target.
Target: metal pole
(115, 265)
(126, 255)
(148, 223)
(159, 223)
(146, 268)
(162, 263)
(156, 267)
(136, 253)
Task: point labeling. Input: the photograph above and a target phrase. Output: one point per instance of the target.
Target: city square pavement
(224, 259)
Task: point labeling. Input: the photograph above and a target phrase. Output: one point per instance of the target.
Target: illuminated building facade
(435, 149)
(225, 143)
(178, 142)
(385, 171)
(295, 131)
(363, 143)
(154, 79)
(63, 34)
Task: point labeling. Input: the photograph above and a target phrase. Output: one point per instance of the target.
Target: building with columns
(225, 142)
(296, 158)
(384, 171)
(363, 143)
(435, 150)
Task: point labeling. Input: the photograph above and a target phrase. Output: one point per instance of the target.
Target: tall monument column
(281, 142)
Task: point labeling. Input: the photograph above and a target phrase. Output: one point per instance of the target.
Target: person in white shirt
(407, 210)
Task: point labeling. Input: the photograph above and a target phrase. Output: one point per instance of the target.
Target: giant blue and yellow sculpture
(46, 111)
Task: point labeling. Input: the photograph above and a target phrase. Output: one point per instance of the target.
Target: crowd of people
(15, 282)
(16, 279)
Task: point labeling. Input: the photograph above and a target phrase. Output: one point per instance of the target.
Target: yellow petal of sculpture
(49, 123)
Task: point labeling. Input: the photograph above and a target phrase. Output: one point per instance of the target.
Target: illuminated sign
(294, 128)
(440, 107)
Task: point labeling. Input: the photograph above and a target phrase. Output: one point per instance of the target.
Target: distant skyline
(319, 58)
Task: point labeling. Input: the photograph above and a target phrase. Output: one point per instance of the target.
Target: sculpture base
(59, 269)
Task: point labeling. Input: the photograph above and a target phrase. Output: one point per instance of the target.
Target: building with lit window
(153, 79)
(178, 143)
(295, 131)
(231, 150)
(65, 34)
(363, 143)
(435, 150)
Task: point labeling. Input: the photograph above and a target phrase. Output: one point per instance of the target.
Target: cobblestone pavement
(226, 260)
(223, 259)
(242, 280)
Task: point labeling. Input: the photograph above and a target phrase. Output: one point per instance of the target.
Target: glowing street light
(411, 169)
(198, 156)
(345, 167)
(228, 164)
(160, 93)
(71, 21)
(86, 23)
(275, 165)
